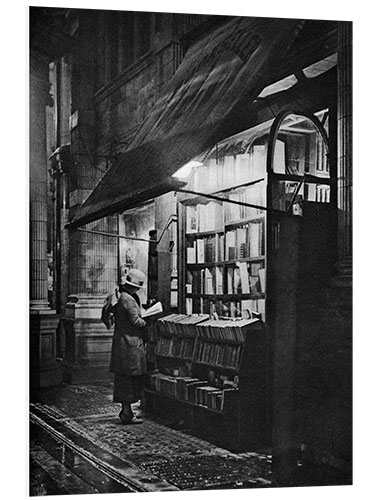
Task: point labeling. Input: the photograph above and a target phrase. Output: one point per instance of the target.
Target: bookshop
(233, 220)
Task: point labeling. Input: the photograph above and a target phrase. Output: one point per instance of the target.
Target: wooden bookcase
(224, 262)
(211, 374)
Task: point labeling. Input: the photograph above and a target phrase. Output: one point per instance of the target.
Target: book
(191, 219)
(237, 287)
(219, 248)
(242, 242)
(230, 245)
(200, 251)
(219, 280)
(255, 239)
(151, 311)
(208, 282)
(242, 266)
(191, 254)
(262, 279)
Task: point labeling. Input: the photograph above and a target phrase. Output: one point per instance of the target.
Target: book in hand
(155, 309)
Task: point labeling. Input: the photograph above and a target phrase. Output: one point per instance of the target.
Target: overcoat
(128, 349)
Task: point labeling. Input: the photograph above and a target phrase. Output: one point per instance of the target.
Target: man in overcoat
(128, 358)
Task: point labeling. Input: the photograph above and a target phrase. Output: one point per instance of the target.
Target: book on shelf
(176, 350)
(230, 245)
(219, 249)
(262, 279)
(191, 219)
(164, 346)
(209, 281)
(191, 253)
(187, 348)
(200, 251)
(214, 216)
(244, 275)
(256, 239)
(202, 395)
(182, 384)
(189, 305)
(237, 288)
(219, 283)
(242, 242)
(191, 388)
(189, 282)
(230, 278)
(197, 284)
(209, 249)
(232, 211)
(234, 308)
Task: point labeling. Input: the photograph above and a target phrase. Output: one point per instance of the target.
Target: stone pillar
(92, 258)
(44, 368)
(344, 149)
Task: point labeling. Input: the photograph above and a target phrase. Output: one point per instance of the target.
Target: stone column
(344, 149)
(44, 369)
(92, 258)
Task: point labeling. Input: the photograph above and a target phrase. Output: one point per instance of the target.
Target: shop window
(136, 225)
(298, 162)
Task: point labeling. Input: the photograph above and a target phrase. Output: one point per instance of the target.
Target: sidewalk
(83, 422)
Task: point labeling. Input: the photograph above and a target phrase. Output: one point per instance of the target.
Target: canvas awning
(220, 72)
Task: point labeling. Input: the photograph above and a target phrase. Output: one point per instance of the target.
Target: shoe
(128, 420)
(136, 420)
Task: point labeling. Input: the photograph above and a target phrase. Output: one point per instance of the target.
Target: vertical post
(344, 148)
(44, 369)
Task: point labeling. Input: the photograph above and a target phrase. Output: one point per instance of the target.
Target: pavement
(77, 445)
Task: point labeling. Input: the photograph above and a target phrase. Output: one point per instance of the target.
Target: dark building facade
(126, 99)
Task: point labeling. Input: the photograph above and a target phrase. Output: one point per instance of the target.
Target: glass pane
(235, 161)
(300, 148)
(136, 223)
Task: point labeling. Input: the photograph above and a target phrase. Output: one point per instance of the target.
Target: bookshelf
(217, 377)
(224, 254)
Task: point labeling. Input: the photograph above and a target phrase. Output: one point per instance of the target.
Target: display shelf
(215, 379)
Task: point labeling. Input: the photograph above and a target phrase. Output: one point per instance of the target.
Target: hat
(134, 278)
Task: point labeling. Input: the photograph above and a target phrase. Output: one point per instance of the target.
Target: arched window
(297, 162)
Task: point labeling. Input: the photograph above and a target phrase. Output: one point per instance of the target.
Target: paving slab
(175, 457)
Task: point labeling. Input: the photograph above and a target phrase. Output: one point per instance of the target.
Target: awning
(224, 69)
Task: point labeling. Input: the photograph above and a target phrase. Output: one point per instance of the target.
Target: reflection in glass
(299, 151)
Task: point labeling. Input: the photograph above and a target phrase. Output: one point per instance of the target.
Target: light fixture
(184, 171)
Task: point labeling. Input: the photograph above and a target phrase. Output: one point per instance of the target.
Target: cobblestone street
(152, 456)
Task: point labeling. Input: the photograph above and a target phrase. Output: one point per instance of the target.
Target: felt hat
(134, 277)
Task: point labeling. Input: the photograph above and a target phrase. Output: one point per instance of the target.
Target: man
(128, 359)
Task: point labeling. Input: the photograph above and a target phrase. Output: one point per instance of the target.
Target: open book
(155, 309)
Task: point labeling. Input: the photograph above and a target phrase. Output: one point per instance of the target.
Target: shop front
(228, 199)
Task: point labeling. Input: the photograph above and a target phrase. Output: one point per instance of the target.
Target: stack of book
(175, 347)
(204, 217)
(245, 241)
(223, 355)
(192, 390)
(224, 330)
(180, 324)
(205, 249)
